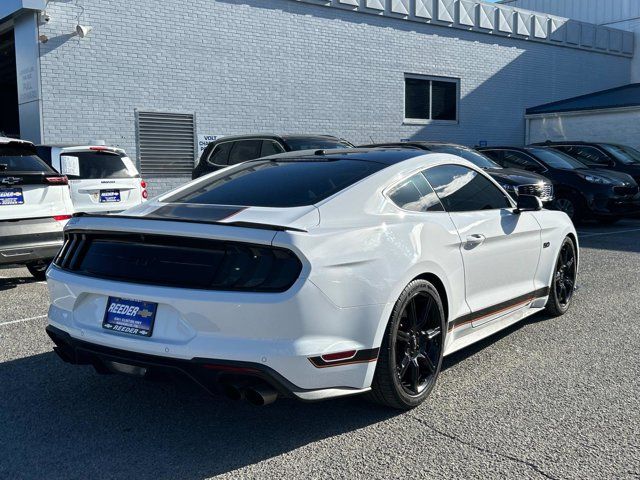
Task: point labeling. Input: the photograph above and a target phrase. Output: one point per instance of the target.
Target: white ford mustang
(312, 275)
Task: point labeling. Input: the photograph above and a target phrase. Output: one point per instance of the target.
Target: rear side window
(16, 159)
(278, 183)
(245, 150)
(461, 189)
(269, 147)
(220, 154)
(96, 165)
(416, 194)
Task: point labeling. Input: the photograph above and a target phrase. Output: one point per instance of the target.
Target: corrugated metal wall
(593, 11)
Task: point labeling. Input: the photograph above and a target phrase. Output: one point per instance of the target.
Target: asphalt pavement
(548, 398)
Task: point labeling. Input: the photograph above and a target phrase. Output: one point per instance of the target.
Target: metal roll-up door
(166, 143)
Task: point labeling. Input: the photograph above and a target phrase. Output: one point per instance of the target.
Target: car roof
(506, 147)
(232, 138)
(310, 137)
(423, 144)
(566, 142)
(387, 156)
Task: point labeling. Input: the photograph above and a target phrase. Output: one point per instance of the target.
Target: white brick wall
(289, 67)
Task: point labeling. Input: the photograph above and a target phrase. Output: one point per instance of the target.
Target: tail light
(61, 218)
(61, 180)
(186, 262)
(143, 185)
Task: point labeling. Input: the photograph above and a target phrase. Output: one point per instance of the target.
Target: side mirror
(528, 203)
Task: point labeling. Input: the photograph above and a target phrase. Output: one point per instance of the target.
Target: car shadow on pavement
(64, 421)
(461, 355)
(12, 282)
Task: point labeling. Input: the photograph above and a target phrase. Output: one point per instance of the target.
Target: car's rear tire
(411, 354)
(38, 270)
(564, 279)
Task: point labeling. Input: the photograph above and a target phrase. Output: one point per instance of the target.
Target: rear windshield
(280, 183)
(96, 165)
(317, 144)
(21, 159)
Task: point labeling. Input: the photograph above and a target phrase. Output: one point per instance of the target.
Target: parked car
(620, 158)
(233, 150)
(581, 192)
(314, 275)
(34, 207)
(515, 181)
(101, 178)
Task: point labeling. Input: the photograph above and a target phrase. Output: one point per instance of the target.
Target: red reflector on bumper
(61, 218)
(335, 357)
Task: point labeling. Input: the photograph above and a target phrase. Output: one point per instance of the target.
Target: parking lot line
(585, 235)
(10, 322)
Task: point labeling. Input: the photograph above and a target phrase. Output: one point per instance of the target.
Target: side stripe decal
(500, 307)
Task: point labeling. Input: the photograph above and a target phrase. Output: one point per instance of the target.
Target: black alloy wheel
(564, 279)
(411, 355)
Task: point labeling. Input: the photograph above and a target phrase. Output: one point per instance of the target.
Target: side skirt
(500, 319)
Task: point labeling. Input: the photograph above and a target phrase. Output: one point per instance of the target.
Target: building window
(430, 99)
(166, 143)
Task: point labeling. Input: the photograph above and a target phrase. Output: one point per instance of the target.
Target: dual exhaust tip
(258, 394)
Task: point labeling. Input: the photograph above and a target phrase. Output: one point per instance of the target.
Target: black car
(581, 192)
(233, 150)
(620, 158)
(515, 181)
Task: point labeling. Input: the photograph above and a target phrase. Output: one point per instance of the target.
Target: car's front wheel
(563, 284)
(410, 358)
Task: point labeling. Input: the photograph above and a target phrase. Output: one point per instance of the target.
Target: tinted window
(556, 159)
(478, 159)
(278, 183)
(95, 164)
(245, 150)
(417, 98)
(515, 159)
(21, 159)
(626, 155)
(416, 194)
(316, 144)
(588, 155)
(45, 154)
(443, 100)
(461, 189)
(495, 155)
(430, 99)
(220, 154)
(269, 147)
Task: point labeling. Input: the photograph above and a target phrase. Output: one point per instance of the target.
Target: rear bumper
(209, 373)
(31, 240)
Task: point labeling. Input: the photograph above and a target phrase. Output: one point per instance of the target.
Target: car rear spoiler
(156, 217)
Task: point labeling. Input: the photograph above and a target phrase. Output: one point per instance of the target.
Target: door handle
(475, 240)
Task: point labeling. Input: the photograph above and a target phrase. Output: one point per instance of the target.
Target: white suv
(101, 179)
(34, 207)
